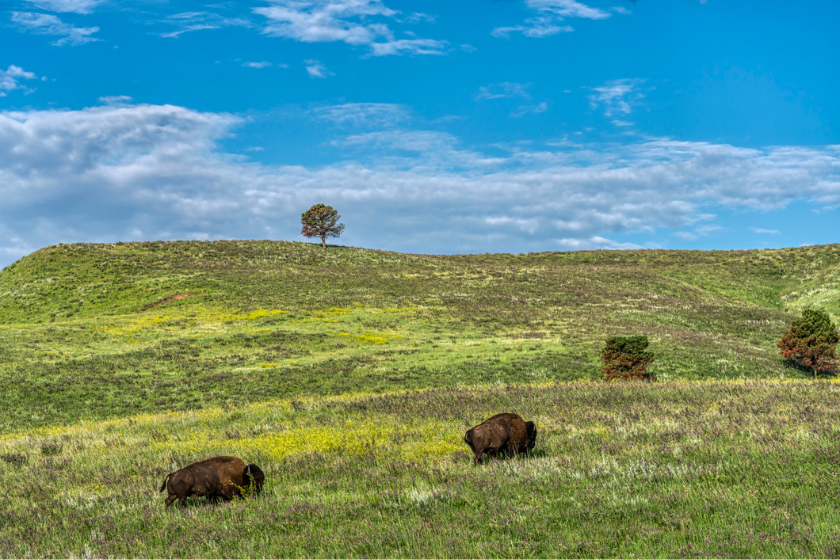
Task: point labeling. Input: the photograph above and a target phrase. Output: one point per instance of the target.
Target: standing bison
(504, 433)
(217, 477)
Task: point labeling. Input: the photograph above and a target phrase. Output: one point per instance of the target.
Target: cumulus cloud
(158, 172)
(48, 24)
(355, 22)
(550, 14)
(75, 6)
(10, 79)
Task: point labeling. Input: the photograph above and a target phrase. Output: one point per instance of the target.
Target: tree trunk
(324, 242)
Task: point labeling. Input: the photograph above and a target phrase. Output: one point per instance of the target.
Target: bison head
(531, 438)
(254, 474)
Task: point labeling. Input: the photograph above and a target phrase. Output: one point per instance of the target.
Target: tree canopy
(811, 341)
(321, 221)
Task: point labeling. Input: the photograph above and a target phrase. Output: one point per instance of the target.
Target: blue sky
(432, 126)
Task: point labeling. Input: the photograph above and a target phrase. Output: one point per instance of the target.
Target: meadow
(350, 376)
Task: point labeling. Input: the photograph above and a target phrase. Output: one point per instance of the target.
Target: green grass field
(350, 375)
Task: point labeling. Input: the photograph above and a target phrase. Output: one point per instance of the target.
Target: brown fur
(217, 477)
(506, 434)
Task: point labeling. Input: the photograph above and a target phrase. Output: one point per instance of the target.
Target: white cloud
(48, 24)
(364, 114)
(766, 231)
(316, 70)
(552, 12)
(10, 79)
(261, 64)
(123, 171)
(617, 96)
(76, 6)
(503, 90)
(355, 22)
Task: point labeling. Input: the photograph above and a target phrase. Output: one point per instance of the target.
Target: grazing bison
(217, 477)
(504, 433)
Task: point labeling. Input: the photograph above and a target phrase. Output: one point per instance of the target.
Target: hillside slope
(82, 335)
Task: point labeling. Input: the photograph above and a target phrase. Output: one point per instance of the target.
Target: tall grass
(669, 469)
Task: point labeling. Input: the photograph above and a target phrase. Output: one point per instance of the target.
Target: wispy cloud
(10, 79)
(380, 115)
(355, 22)
(698, 232)
(261, 64)
(567, 8)
(538, 28)
(617, 97)
(75, 6)
(48, 24)
(410, 46)
(187, 22)
(419, 17)
(551, 13)
(766, 231)
(523, 110)
(116, 100)
(594, 242)
(316, 70)
(503, 90)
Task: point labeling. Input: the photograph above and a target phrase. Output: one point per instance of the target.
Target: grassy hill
(350, 376)
(90, 330)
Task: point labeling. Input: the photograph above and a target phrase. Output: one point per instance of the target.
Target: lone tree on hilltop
(811, 341)
(320, 221)
(624, 357)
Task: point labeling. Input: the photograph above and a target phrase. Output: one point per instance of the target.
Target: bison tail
(163, 486)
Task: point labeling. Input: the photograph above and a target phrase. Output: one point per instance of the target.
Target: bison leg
(171, 498)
